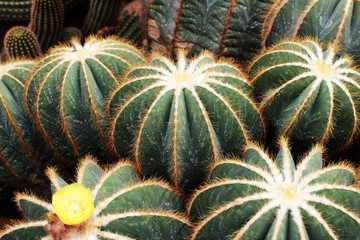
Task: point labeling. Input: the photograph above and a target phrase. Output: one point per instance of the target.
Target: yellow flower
(73, 204)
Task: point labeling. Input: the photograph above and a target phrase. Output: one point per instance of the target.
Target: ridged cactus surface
(330, 21)
(124, 208)
(261, 198)
(47, 21)
(227, 27)
(308, 94)
(19, 10)
(66, 94)
(20, 162)
(100, 13)
(21, 42)
(176, 118)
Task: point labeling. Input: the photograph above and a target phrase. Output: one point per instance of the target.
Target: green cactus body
(308, 94)
(330, 21)
(15, 11)
(128, 27)
(66, 94)
(177, 118)
(47, 21)
(100, 13)
(258, 198)
(19, 10)
(125, 208)
(21, 42)
(19, 162)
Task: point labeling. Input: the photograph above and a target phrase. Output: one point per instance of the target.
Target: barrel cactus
(330, 21)
(110, 204)
(67, 90)
(176, 118)
(308, 93)
(260, 198)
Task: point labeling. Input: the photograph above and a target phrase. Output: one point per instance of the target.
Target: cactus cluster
(177, 118)
(185, 133)
(47, 21)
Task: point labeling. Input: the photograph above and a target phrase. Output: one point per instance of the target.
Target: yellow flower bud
(73, 204)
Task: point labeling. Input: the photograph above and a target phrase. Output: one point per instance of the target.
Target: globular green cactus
(100, 14)
(47, 21)
(121, 206)
(21, 42)
(67, 90)
(20, 154)
(330, 21)
(176, 118)
(260, 198)
(308, 94)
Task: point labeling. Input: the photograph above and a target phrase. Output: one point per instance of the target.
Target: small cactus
(176, 118)
(47, 21)
(100, 13)
(67, 91)
(308, 93)
(102, 204)
(21, 42)
(259, 198)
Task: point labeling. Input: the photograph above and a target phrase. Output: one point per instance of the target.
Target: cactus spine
(47, 21)
(308, 94)
(177, 118)
(19, 10)
(258, 198)
(67, 91)
(100, 13)
(125, 208)
(21, 42)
